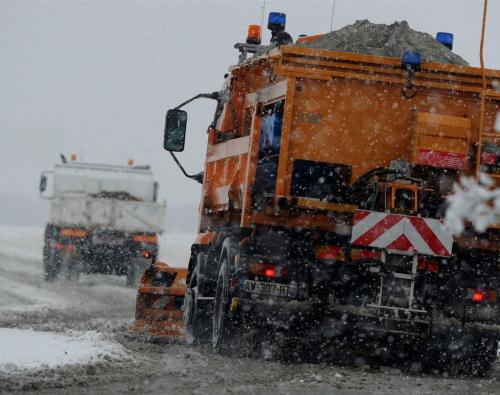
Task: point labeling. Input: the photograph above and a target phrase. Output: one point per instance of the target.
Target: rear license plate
(272, 289)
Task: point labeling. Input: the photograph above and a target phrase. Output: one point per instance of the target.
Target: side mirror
(175, 130)
(43, 183)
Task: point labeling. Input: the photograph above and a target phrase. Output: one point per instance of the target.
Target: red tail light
(268, 270)
(477, 296)
(482, 295)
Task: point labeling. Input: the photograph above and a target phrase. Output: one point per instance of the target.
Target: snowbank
(33, 360)
(25, 242)
(476, 203)
(22, 349)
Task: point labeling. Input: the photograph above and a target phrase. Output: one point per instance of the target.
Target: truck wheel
(132, 276)
(222, 328)
(481, 364)
(71, 268)
(196, 315)
(476, 360)
(50, 264)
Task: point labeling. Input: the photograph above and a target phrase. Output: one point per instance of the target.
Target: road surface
(103, 306)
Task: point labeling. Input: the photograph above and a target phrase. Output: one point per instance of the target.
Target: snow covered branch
(476, 203)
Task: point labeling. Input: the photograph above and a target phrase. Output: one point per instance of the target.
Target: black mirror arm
(197, 177)
(214, 95)
(220, 97)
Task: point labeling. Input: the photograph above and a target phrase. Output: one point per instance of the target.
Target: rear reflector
(332, 252)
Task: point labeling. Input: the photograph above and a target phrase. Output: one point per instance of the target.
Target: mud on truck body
(102, 219)
(321, 214)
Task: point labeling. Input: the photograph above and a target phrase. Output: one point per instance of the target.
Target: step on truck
(102, 219)
(321, 213)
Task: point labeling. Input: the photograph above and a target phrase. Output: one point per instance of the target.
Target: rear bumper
(275, 312)
(345, 320)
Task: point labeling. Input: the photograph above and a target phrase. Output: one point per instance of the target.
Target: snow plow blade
(158, 312)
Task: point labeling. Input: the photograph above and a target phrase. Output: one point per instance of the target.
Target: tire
(196, 315)
(132, 275)
(71, 268)
(223, 324)
(474, 360)
(51, 264)
(481, 363)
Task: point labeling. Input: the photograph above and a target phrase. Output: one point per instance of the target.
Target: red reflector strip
(365, 254)
(450, 160)
(489, 158)
(329, 252)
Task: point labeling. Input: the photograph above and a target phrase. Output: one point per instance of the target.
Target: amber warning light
(253, 36)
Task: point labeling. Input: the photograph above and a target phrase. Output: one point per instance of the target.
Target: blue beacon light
(446, 39)
(411, 60)
(276, 21)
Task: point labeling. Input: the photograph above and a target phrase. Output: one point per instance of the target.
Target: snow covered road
(67, 338)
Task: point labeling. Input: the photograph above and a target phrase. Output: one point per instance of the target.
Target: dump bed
(94, 178)
(296, 113)
(106, 196)
(122, 215)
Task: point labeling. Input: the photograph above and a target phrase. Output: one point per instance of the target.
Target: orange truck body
(321, 215)
(158, 314)
(339, 108)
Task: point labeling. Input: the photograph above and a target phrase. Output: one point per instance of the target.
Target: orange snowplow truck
(324, 190)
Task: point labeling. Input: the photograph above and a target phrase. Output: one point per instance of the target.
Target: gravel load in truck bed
(386, 40)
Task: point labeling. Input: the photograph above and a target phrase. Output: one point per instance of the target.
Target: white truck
(102, 220)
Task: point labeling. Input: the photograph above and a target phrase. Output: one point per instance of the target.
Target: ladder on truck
(485, 92)
(407, 319)
(493, 138)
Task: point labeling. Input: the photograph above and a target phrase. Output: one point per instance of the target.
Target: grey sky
(95, 78)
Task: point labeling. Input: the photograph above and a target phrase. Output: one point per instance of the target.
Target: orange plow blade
(158, 312)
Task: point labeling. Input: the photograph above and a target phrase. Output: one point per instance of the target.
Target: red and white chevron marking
(401, 232)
